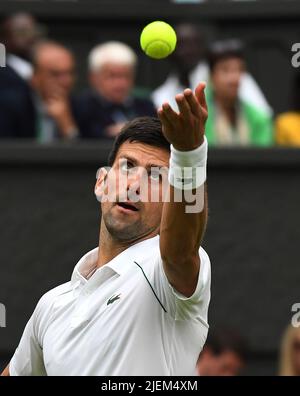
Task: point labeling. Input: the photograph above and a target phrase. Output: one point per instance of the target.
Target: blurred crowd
(226, 353)
(37, 98)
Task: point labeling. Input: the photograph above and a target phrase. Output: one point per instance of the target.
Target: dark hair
(225, 339)
(225, 49)
(146, 130)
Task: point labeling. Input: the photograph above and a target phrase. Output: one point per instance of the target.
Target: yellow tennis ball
(158, 39)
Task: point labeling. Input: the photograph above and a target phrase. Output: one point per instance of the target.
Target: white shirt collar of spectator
(22, 67)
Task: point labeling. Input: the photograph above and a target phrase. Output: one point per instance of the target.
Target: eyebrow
(134, 162)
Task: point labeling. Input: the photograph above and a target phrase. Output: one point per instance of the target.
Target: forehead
(21, 22)
(233, 61)
(115, 68)
(144, 154)
(54, 58)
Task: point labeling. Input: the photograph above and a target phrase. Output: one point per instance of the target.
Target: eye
(125, 166)
(155, 175)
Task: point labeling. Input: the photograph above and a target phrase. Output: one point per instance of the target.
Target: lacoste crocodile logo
(113, 299)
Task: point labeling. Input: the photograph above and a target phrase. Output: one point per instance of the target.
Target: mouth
(127, 206)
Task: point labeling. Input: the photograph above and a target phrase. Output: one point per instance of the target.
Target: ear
(100, 183)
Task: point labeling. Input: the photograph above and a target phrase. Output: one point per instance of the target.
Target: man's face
(227, 363)
(22, 32)
(54, 73)
(226, 77)
(113, 82)
(189, 49)
(128, 221)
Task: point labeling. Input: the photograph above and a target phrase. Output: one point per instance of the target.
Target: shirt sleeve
(28, 357)
(179, 306)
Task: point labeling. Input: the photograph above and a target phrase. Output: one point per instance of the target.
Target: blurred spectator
(224, 354)
(232, 121)
(287, 125)
(190, 67)
(19, 33)
(290, 352)
(110, 103)
(52, 81)
(44, 109)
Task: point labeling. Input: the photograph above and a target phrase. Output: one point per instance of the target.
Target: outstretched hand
(185, 130)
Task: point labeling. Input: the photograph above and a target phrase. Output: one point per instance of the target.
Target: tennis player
(137, 304)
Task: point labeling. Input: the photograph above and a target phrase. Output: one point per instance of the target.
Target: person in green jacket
(231, 121)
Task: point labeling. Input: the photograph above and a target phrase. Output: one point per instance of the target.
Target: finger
(167, 126)
(163, 118)
(183, 106)
(193, 102)
(171, 115)
(200, 95)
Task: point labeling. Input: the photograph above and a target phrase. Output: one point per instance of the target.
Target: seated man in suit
(52, 82)
(110, 103)
(43, 110)
(19, 33)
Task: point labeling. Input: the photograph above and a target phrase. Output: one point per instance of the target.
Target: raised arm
(181, 232)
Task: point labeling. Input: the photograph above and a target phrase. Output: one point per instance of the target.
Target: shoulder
(46, 302)
(42, 315)
(8, 75)
(255, 113)
(86, 98)
(260, 123)
(144, 106)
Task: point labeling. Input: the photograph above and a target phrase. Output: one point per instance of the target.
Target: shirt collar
(23, 68)
(119, 264)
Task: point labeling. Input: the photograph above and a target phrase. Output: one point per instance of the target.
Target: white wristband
(187, 169)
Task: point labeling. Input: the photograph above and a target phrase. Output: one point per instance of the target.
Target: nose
(65, 79)
(137, 183)
(134, 182)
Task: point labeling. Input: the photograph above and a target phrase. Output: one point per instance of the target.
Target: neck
(228, 106)
(110, 247)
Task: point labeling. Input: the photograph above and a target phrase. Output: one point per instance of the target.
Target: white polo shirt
(121, 319)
